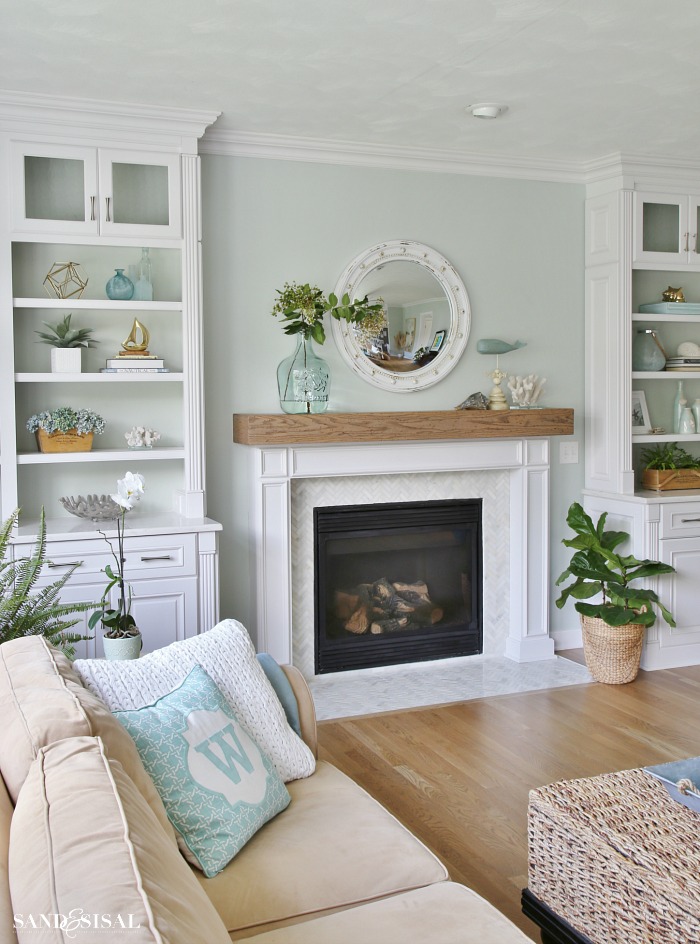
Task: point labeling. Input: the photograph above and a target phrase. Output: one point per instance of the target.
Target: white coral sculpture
(525, 391)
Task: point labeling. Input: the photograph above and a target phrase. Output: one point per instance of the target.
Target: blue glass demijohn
(120, 288)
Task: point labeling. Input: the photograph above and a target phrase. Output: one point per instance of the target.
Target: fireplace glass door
(397, 583)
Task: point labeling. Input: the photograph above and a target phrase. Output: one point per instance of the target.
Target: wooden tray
(669, 479)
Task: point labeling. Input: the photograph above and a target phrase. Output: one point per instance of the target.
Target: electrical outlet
(568, 452)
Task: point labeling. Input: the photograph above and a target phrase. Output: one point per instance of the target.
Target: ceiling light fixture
(487, 109)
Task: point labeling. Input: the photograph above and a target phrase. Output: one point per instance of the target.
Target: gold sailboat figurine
(132, 344)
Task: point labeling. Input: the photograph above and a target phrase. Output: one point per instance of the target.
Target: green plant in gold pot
(613, 627)
(303, 379)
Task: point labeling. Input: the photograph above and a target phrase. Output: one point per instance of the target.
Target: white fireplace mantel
(275, 466)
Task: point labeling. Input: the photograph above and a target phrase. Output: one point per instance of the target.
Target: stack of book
(126, 363)
(683, 363)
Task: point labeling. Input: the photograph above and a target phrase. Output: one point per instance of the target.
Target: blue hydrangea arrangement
(64, 419)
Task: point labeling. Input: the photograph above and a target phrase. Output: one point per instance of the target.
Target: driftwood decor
(384, 607)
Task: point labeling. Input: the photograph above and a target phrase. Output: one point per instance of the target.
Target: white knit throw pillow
(227, 654)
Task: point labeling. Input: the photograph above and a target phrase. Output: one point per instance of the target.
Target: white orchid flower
(129, 490)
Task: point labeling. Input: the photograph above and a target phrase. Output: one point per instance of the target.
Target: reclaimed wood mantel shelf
(282, 429)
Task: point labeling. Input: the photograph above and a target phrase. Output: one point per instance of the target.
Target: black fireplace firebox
(396, 583)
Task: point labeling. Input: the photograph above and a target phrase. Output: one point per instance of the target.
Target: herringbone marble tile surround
(491, 486)
(346, 694)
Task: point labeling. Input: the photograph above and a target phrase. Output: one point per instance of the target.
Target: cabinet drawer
(160, 555)
(681, 519)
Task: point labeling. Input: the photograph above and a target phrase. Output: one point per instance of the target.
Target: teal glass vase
(647, 353)
(120, 288)
(303, 380)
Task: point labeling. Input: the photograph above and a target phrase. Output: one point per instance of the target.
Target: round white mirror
(423, 327)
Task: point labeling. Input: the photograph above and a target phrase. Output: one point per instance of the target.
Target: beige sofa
(83, 835)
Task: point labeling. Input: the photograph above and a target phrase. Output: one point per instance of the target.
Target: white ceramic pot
(66, 360)
(116, 650)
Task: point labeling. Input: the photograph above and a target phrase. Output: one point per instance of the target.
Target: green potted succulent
(303, 379)
(26, 612)
(668, 466)
(613, 627)
(66, 345)
(65, 429)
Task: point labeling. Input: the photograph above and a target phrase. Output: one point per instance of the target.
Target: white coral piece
(525, 391)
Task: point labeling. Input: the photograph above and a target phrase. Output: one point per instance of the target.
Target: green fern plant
(26, 611)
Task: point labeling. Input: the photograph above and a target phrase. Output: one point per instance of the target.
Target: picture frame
(437, 341)
(641, 421)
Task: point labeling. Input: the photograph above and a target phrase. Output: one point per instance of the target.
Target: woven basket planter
(612, 653)
(72, 441)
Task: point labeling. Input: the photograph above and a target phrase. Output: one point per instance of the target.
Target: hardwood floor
(458, 775)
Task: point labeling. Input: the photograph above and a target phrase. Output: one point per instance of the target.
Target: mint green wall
(518, 246)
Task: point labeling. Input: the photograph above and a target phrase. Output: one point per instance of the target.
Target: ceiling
(581, 80)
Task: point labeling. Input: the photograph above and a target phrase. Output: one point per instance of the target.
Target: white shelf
(669, 319)
(102, 455)
(99, 378)
(665, 437)
(95, 304)
(666, 375)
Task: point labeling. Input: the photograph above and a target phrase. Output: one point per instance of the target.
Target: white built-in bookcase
(95, 184)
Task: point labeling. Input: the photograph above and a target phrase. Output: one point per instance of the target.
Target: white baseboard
(567, 639)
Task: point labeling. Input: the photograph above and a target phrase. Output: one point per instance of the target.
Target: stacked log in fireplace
(386, 607)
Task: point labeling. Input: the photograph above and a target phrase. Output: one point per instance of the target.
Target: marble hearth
(510, 472)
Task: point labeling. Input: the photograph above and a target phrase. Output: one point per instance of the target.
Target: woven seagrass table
(613, 860)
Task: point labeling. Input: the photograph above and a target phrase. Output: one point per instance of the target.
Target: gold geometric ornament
(65, 280)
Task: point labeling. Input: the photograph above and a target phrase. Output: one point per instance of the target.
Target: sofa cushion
(42, 700)
(227, 655)
(334, 846)
(85, 844)
(448, 913)
(217, 786)
(6, 809)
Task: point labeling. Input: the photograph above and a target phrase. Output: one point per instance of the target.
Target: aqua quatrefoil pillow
(217, 786)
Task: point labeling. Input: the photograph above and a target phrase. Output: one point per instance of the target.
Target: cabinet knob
(163, 557)
(64, 564)
(108, 214)
(686, 240)
(92, 208)
(689, 520)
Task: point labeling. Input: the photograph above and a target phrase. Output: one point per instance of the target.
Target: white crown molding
(644, 169)
(318, 150)
(27, 112)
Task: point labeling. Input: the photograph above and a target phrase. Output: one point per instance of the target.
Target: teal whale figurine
(494, 346)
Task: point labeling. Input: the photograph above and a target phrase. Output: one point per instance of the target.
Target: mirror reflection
(410, 331)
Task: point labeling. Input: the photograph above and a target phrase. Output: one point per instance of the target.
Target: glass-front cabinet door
(54, 188)
(100, 192)
(667, 229)
(140, 193)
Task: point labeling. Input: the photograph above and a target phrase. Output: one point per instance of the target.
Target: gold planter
(612, 653)
(72, 441)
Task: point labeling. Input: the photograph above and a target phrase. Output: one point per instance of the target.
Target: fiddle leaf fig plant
(598, 569)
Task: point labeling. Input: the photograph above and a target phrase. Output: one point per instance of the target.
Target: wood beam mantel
(277, 429)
